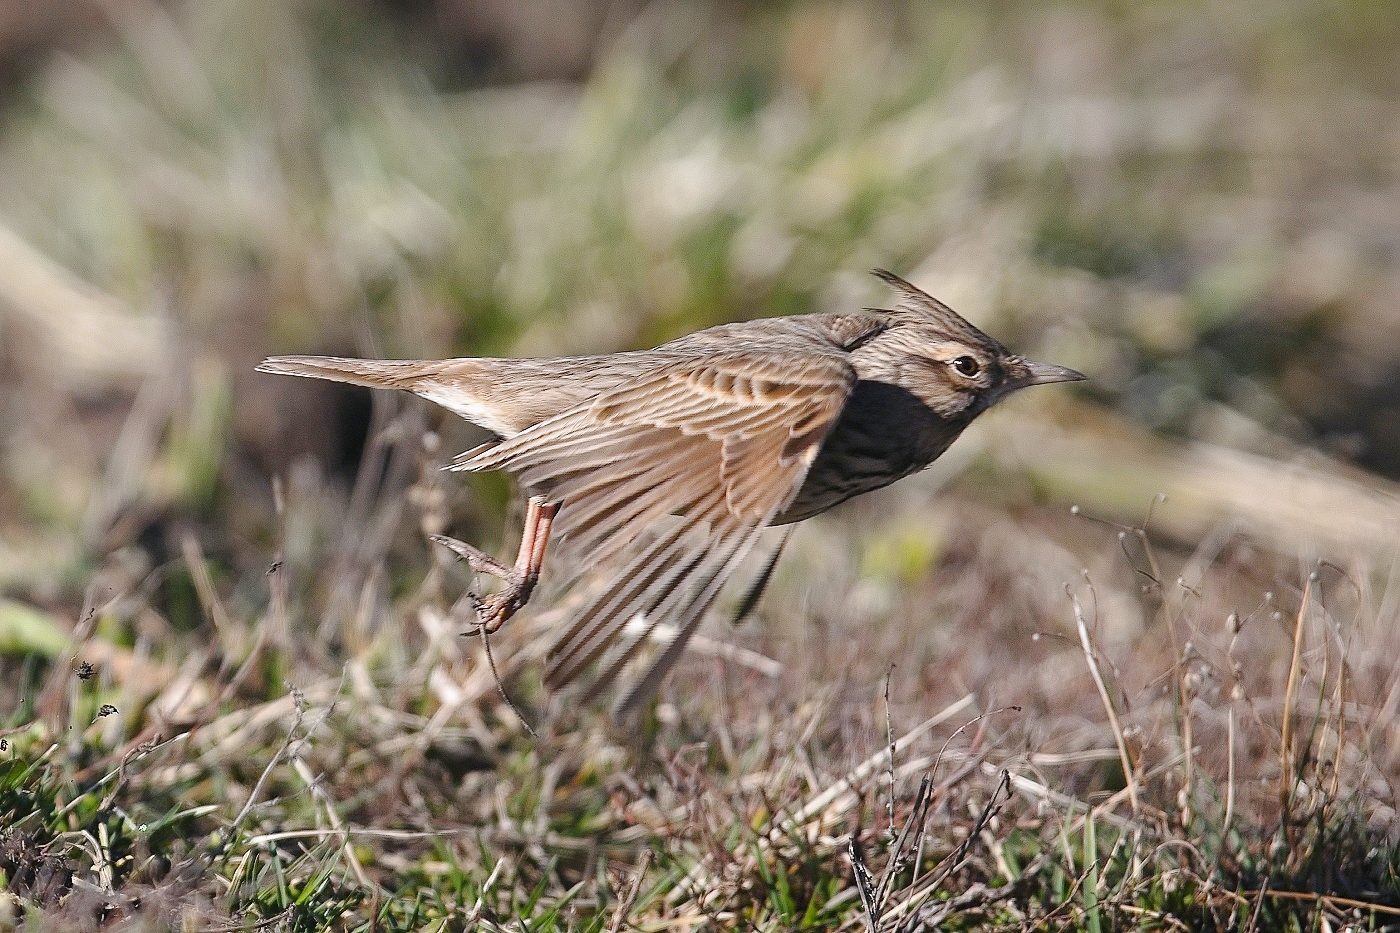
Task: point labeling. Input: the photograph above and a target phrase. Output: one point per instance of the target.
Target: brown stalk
(629, 897)
(1286, 737)
(1129, 772)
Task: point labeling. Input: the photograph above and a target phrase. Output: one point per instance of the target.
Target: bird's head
(934, 353)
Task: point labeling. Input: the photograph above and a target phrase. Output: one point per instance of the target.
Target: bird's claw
(493, 611)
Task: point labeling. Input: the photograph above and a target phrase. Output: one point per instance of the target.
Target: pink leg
(520, 579)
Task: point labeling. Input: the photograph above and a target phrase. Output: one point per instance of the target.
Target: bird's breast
(884, 433)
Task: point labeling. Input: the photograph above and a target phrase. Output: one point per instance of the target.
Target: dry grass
(1236, 773)
(235, 687)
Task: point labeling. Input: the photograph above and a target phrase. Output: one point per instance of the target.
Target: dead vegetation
(1221, 759)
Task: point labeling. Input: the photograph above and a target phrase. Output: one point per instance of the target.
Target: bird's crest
(918, 305)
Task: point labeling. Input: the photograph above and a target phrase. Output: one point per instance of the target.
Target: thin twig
(1229, 775)
(318, 793)
(267, 772)
(954, 860)
(915, 823)
(1258, 905)
(500, 687)
(864, 885)
(629, 897)
(862, 771)
(889, 740)
(1129, 773)
(1286, 737)
(1329, 899)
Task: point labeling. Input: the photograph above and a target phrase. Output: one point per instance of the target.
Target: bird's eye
(966, 365)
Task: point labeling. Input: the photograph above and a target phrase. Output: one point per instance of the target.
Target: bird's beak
(1030, 373)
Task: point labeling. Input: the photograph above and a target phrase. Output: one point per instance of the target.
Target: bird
(669, 464)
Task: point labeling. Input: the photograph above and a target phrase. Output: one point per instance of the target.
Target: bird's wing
(676, 473)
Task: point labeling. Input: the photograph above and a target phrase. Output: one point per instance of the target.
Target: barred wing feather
(673, 475)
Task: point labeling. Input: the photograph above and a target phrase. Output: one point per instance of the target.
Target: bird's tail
(376, 374)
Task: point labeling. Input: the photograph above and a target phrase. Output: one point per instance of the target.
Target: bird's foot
(520, 578)
(492, 611)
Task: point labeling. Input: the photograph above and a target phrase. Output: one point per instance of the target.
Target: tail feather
(484, 392)
(375, 374)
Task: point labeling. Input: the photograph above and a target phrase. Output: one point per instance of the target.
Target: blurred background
(1196, 204)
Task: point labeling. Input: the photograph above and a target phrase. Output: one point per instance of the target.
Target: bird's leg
(520, 579)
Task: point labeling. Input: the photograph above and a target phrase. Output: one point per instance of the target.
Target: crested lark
(670, 462)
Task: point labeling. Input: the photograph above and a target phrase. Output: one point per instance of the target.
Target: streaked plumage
(671, 462)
